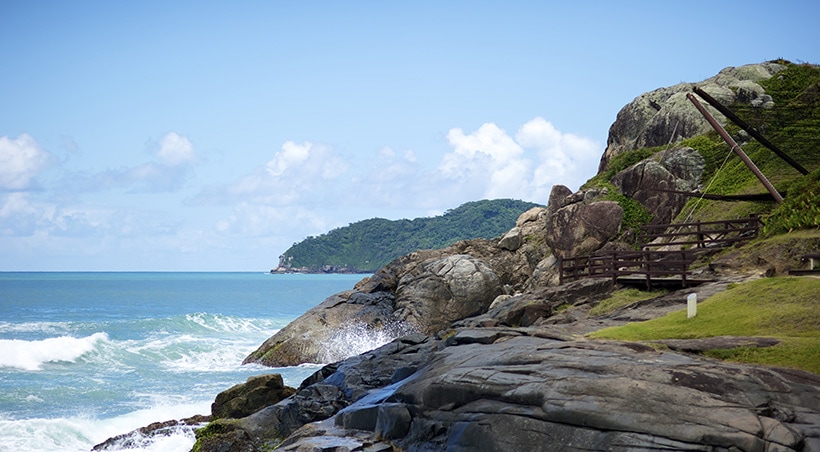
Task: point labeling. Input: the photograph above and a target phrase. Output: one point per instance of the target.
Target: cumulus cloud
(307, 186)
(175, 150)
(489, 163)
(20, 161)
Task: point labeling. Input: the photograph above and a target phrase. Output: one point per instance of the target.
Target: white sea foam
(212, 357)
(357, 338)
(31, 355)
(82, 433)
(229, 324)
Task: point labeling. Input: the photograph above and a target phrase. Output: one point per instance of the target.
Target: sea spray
(358, 337)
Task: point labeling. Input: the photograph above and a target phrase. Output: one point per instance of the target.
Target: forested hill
(368, 245)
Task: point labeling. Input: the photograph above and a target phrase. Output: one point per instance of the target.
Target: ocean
(87, 356)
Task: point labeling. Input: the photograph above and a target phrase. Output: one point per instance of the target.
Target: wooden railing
(648, 264)
(619, 265)
(701, 234)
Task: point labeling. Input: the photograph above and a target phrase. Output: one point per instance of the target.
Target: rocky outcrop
(144, 437)
(306, 339)
(665, 115)
(424, 291)
(650, 182)
(530, 389)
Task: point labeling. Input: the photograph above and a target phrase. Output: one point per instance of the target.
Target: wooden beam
(754, 133)
(735, 148)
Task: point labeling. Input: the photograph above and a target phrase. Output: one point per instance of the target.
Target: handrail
(655, 263)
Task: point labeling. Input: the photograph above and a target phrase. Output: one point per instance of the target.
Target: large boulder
(306, 339)
(441, 291)
(581, 228)
(665, 115)
(651, 181)
(244, 399)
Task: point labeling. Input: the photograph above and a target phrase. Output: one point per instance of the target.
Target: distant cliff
(368, 245)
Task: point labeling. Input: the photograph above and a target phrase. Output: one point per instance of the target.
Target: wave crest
(31, 355)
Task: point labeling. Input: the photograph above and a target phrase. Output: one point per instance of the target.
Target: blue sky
(213, 135)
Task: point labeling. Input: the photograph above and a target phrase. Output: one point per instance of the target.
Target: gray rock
(244, 399)
(651, 118)
(511, 240)
(558, 198)
(527, 389)
(679, 169)
(393, 421)
(304, 340)
(580, 229)
(439, 292)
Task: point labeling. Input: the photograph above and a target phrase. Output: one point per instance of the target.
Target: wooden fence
(631, 266)
(661, 266)
(701, 234)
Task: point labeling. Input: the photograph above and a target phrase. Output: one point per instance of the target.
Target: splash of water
(358, 337)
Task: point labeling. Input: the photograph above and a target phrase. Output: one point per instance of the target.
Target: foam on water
(31, 355)
(85, 357)
(81, 433)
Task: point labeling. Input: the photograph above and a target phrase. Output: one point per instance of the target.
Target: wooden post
(735, 148)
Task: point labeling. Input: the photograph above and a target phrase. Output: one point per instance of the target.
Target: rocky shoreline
(486, 385)
(499, 358)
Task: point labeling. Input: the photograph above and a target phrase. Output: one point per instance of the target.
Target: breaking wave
(357, 338)
(31, 355)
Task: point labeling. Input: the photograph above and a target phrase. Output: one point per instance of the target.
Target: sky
(211, 136)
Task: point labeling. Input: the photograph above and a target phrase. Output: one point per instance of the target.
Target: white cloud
(292, 156)
(307, 188)
(20, 161)
(489, 163)
(175, 150)
(486, 150)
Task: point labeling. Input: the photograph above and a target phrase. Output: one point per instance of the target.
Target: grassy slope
(787, 308)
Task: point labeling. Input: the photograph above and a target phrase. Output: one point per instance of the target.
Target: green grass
(787, 308)
(623, 298)
(800, 209)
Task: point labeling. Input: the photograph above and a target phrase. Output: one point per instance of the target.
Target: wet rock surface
(533, 389)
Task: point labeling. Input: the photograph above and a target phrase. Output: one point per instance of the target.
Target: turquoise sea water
(86, 356)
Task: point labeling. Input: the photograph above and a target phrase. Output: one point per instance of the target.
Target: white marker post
(691, 305)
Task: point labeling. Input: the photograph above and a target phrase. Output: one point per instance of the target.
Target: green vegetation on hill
(793, 125)
(787, 308)
(367, 245)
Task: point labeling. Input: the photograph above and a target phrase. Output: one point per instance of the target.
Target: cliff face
(665, 115)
